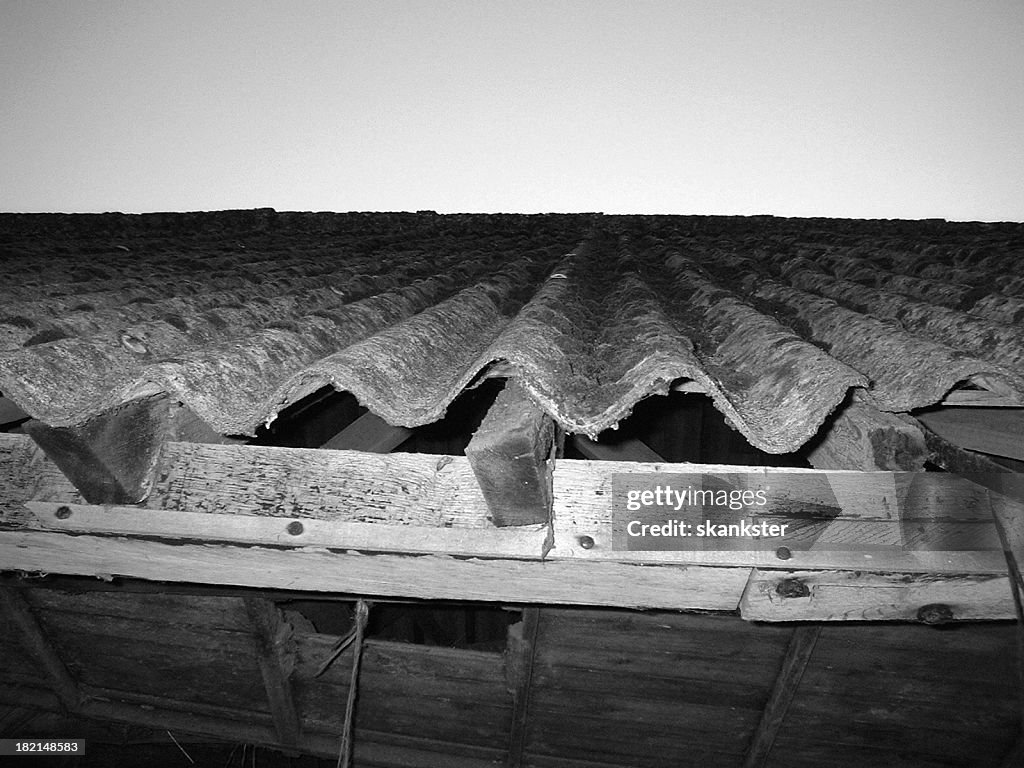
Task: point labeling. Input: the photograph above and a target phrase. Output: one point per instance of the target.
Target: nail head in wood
(792, 588)
(62, 513)
(295, 528)
(783, 553)
(587, 542)
(935, 613)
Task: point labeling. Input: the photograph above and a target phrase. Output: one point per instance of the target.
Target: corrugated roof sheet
(240, 313)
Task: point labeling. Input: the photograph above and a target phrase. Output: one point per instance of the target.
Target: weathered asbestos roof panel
(238, 314)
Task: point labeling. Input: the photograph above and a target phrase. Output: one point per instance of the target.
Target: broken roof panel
(238, 314)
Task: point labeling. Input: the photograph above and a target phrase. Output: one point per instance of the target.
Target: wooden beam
(519, 541)
(416, 504)
(628, 449)
(859, 436)
(522, 650)
(798, 654)
(511, 456)
(10, 412)
(369, 433)
(276, 656)
(430, 577)
(999, 431)
(112, 457)
(38, 646)
(868, 507)
(775, 595)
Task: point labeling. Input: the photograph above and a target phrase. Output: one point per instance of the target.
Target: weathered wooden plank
(804, 750)
(999, 431)
(276, 657)
(627, 449)
(585, 735)
(404, 502)
(120, 636)
(428, 576)
(784, 689)
(522, 650)
(38, 646)
(370, 747)
(156, 610)
(511, 455)
(350, 486)
(859, 436)
(205, 673)
(368, 433)
(864, 596)
(634, 713)
(593, 677)
(111, 458)
(522, 541)
(828, 718)
(162, 702)
(16, 666)
(866, 506)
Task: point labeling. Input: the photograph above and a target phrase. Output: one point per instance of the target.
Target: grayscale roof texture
(238, 314)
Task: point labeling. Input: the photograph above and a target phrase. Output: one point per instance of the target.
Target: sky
(840, 108)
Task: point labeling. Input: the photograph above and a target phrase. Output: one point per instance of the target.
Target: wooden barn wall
(649, 689)
(608, 687)
(907, 696)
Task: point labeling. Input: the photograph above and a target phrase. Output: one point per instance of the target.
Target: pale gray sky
(888, 108)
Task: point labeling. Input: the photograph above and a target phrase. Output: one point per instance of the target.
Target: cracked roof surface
(238, 314)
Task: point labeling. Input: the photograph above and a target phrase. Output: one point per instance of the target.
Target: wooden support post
(110, 458)
(276, 655)
(859, 436)
(999, 431)
(369, 433)
(630, 449)
(798, 654)
(522, 652)
(510, 455)
(38, 646)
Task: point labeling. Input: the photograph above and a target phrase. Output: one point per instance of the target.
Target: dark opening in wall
(449, 625)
